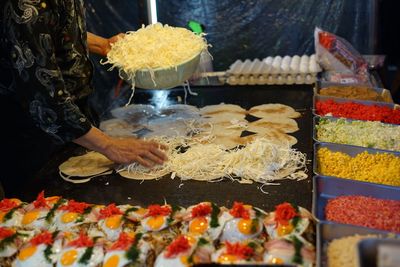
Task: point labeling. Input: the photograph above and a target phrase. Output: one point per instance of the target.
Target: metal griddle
(113, 188)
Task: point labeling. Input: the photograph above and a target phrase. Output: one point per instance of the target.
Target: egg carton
(274, 70)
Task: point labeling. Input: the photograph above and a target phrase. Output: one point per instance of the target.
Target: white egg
(280, 231)
(35, 219)
(269, 60)
(303, 67)
(111, 226)
(178, 261)
(239, 229)
(14, 221)
(9, 250)
(30, 256)
(154, 223)
(285, 66)
(220, 256)
(304, 59)
(278, 257)
(115, 258)
(135, 213)
(65, 220)
(201, 225)
(71, 257)
(276, 64)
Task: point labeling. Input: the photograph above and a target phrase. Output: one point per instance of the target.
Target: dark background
(240, 29)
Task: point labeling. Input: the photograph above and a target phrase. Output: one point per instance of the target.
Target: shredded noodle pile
(154, 46)
(260, 161)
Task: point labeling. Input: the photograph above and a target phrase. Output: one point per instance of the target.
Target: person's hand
(112, 40)
(123, 150)
(128, 150)
(100, 45)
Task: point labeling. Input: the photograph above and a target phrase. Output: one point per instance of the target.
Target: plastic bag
(337, 55)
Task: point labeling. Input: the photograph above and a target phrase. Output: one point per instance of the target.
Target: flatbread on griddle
(228, 142)
(139, 175)
(223, 129)
(214, 110)
(285, 125)
(273, 135)
(89, 164)
(224, 117)
(266, 110)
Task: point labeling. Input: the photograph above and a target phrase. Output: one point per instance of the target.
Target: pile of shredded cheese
(260, 161)
(154, 46)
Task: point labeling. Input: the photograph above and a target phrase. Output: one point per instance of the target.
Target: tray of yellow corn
(357, 163)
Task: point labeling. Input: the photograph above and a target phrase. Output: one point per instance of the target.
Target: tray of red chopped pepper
(356, 109)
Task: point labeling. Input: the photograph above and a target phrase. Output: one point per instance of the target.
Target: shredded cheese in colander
(260, 161)
(154, 46)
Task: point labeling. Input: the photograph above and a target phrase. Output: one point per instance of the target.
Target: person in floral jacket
(45, 82)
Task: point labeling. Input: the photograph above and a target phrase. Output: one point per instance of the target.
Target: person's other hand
(100, 45)
(112, 40)
(128, 150)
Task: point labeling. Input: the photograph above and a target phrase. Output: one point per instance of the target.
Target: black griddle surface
(115, 189)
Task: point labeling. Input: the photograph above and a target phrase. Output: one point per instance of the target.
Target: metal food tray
(347, 149)
(316, 121)
(326, 232)
(384, 93)
(318, 97)
(368, 255)
(327, 187)
(242, 265)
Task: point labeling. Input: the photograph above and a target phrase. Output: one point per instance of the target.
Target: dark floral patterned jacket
(44, 63)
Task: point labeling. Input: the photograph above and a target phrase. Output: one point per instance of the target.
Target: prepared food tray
(370, 134)
(353, 91)
(378, 111)
(84, 234)
(326, 188)
(357, 163)
(328, 232)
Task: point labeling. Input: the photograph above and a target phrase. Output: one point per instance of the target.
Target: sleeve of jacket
(40, 87)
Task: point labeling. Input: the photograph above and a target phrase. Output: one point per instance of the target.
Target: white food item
(118, 256)
(276, 64)
(295, 64)
(154, 223)
(286, 64)
(70, 257)
(111, 226)
(237, 230)
(269, 60)
(154, 46)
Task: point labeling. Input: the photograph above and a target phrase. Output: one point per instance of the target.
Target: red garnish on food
(284, 213)
(109, 211)
(240, 250)
(40, 201)
(74, 206)
(7, 204)
(239, 211)
(201, 210)
(6, 232)
(179, 245)
(42, 238)
(82, 241)
(156, 210)
(123, 243)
